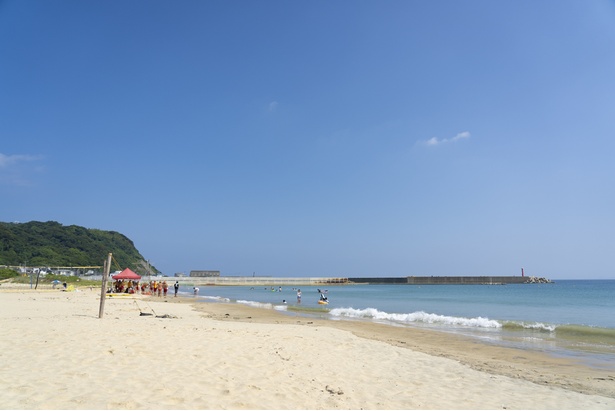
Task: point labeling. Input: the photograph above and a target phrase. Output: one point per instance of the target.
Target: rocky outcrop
(538, 280)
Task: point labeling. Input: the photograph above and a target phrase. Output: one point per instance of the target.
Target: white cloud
(435, 141)
(13, 170)
(273, 106)
(461, 136)
(8, 161)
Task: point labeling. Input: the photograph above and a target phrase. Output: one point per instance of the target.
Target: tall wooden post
(103, 288)
(37, 277)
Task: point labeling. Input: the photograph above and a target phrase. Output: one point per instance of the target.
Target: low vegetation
(6, 273)
(48, 279)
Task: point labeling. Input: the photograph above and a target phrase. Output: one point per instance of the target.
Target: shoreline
(192, 355)
(538, 367)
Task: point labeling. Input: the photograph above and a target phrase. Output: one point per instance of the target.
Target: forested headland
(51, 244)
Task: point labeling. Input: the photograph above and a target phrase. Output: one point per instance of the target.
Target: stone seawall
(320, 281)
(261, 281)
(442, 280)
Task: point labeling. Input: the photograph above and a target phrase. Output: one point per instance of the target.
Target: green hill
(50, 244)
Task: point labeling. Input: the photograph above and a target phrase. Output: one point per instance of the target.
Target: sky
(318, 138)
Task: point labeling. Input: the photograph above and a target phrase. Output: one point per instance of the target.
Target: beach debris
(609, 378)
(282, 357)
(167, 316)
(331, 390)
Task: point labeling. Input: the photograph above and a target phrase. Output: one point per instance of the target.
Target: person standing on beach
(299, 295)
(165, 288)
(176, 287)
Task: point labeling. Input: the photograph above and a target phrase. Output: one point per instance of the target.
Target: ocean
(566, 318)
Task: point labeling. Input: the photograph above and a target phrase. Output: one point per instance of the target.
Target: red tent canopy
(127, 274)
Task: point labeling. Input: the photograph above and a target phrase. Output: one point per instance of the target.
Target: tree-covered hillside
(50, 244)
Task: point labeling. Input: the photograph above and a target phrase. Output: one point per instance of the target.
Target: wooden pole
(37, 276)
(103, 288)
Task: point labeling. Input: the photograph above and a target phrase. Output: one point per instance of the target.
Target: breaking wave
(415, 317)
(216, 299)
(268, 306)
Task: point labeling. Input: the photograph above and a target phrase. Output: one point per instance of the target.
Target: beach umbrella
(127, 274)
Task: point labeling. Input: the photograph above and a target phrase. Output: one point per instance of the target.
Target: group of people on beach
(124, 286)
(160, 288)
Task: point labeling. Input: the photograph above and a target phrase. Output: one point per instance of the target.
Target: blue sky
(320, 138)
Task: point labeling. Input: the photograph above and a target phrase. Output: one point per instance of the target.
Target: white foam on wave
(415, 317)
(255, 304)
(215, 298)
(267, 306)
(540, 326)
(532, 326)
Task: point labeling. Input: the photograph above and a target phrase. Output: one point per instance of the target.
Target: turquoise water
(570, 318)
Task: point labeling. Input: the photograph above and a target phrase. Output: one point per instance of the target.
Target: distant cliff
(50, 244)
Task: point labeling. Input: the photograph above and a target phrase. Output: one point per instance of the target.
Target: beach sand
(55, 353)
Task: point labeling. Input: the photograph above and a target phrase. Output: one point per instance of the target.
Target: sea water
(570, 318)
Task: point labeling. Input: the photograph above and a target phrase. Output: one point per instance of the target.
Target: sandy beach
(57, 354)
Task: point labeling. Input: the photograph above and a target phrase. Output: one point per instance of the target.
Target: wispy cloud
(435, 141)
(8, 161)
(15, 167)
(273, 106)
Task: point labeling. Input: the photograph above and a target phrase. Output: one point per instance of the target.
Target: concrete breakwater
(432, 280)
(316, 281)
(262, 281)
